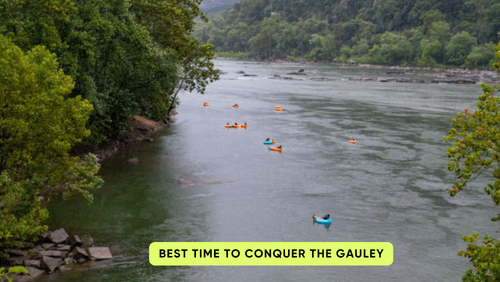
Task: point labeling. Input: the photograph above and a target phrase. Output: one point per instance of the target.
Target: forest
(425, 33)
(74, 72)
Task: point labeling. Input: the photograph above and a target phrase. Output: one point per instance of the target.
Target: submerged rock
(98, 253)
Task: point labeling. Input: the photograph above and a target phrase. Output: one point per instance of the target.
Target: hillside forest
(425, 33)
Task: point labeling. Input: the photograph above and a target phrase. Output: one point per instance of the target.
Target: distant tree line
(459, 33)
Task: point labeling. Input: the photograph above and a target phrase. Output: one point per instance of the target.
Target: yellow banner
(271, 253)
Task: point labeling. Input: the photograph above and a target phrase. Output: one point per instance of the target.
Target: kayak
(205, 105)
(243, 126)
(353, 141)
(269, 142)
(275, 149)
(234, 106)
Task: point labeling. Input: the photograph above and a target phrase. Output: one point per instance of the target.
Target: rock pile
(54, 250)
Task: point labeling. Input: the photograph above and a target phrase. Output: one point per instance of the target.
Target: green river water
(390, 187)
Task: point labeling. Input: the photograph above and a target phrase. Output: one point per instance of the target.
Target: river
(390, 187)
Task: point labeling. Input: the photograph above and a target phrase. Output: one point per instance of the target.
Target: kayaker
(279, 147)
(268, 139)
(325, 217)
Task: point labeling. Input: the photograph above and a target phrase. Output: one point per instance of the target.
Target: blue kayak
(324, 221)
(268, 142)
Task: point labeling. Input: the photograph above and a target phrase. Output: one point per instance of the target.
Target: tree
(38, 127)
(170, 24)
(475, 150)
(459, 48)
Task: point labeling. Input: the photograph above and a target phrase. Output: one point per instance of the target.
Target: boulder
(34, 272)
(87, 241)
(52, 253)
(51, 264)
(17, 260)
(66, 248)
(33, 262)
(80, 253)
(17, 253)
(75, 240)
(48, 246)
(98, 253)
(69, 261)
(59, 236)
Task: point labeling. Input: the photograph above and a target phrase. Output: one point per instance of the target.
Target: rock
(98, 253)
(19, 278)
(66, 248)
(50, 264)
(240, 72)
(34, 272)
(59, 236)
(17, 260)
(87, 241)
(33, 262)
(63, 268)
(81, 260)
(75, 240)
(69, 261)
(133, 160)
(80, 253)
(48, 246)
(52, 253)
(17, 253)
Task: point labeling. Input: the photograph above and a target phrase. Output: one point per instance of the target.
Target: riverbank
(141, 129)
(396, 73)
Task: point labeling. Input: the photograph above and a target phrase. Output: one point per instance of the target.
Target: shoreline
(398, 73)
(142, 129)
(47, 256)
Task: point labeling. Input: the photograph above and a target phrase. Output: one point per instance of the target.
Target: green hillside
(432, 33)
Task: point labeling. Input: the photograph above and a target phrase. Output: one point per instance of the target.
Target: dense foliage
(75, 71)
(475, 149)
(38, 126)
(392, 32)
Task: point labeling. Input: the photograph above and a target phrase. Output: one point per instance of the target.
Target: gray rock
(59, 236)
(97, 253)
(17, 261)
(51, 264)
(34, 272)
(19, 278)
(75, 240)
(87, 241)
(69, 261)
(33, 262)
(80, 253)
(64, 248)
(48, 246)
(17, 253)
(52, 253)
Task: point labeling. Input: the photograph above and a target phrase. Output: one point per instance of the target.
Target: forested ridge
(74, 71)
(459, 33)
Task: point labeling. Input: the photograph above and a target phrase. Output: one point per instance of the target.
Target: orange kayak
(243, 126)
(353, 141)
(235, 106)
(205, 105)
(275, 149)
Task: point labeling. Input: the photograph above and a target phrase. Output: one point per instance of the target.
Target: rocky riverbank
(396, 73)
(142, 129)
(55, 252)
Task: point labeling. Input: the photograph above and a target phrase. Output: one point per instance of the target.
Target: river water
(390, 187)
